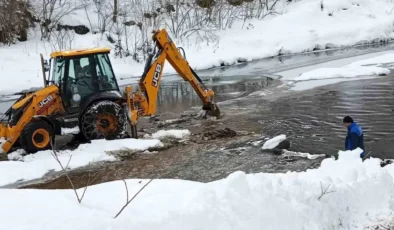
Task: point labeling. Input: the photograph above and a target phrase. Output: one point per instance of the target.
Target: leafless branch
(62, 40)
(64, 170)
(324, 191)
(50, 13)
(384, 227)
(55, 155)
(127, 195)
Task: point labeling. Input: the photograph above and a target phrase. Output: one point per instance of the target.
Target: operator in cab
(355, 136)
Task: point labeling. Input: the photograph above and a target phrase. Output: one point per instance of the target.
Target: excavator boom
(149, 84)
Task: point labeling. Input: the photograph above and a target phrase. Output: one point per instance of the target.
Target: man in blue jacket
(355, 136)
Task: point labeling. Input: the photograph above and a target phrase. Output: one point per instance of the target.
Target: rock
(318, 47)
(3, 157)
(385, 162)
(80, 29)
(154, 119)
(235, 2)
(331, 46)
(285, 144)
(205, 3)
(278, 150)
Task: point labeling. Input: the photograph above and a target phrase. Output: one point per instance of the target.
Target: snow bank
(358, 193)
(344, 72)
(36, 165)
(340, 23)
(173, 133)
(367, 67)
(272, 143)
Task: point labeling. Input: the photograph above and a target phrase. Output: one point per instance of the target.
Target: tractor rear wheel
(103, 120)
(36, 136)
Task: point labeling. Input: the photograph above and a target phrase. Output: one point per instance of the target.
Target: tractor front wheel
(103, 120)
(36, 136)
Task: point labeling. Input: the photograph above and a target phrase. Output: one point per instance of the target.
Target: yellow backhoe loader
(81, 89)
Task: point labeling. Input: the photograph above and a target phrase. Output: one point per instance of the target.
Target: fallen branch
(324, 191)
(127, 196)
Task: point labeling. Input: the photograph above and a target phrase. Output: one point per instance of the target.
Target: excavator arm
(144, 101)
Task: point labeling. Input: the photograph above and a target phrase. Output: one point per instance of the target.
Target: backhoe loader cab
(81, 74)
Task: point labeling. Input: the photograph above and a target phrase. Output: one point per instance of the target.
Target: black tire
(103, 120)
(36, 136)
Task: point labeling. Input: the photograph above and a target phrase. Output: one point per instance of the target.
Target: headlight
(76, 97)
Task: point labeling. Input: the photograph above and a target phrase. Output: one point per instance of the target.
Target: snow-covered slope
(342, 194)
(297, 27)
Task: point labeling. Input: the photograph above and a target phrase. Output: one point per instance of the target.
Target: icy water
(311, 120)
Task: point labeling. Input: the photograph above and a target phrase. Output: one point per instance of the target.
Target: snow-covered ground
(342, 194)
(34, 166)
(298, 27)
(22, 167)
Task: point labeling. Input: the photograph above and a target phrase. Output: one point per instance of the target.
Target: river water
(312, 120)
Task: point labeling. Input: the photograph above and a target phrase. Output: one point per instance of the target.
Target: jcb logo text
(156, 76)
(45, 101)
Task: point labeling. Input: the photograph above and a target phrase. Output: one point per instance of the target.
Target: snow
(74, 130)
(273, 142)
(352, 22)
(341, 70)
(357, 194)
(36, 165)
(172, 133)
(287, 153)
(345, 72)
(359, 68)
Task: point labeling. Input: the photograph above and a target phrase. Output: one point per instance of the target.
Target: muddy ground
(312, 120)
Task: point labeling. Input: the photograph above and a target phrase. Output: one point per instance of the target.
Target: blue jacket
(355, 138)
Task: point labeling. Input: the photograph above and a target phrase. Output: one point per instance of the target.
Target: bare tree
(86, 5)
(50, 13)
(104, 11)
(62, 40)
(115, 10)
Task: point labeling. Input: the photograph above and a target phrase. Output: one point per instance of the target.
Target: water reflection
(180, 95)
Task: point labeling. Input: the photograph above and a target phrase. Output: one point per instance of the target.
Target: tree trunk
(115, 16)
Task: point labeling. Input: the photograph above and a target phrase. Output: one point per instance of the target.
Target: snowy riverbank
(22, 167)
(345, 193)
